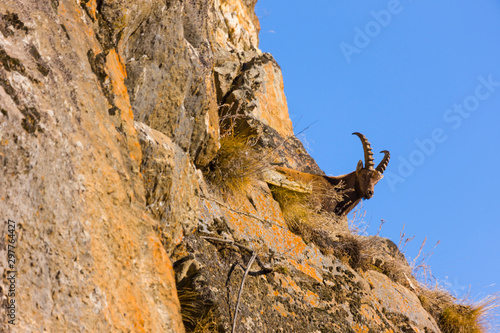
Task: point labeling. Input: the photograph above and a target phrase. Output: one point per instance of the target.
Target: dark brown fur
(341, 194)
(351, 187)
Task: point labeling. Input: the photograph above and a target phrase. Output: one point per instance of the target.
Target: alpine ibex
(353, 186)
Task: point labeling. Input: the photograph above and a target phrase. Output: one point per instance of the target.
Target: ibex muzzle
(367, 176)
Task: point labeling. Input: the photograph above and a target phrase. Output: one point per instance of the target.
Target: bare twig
(228, 241)
(409, 281)
(250, 262)
(419, 252)
(264, 270)
(306, 128)
(382, 222)
(403, 240)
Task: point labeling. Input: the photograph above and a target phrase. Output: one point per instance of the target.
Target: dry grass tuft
(298, 211)
(460, 319)
(197, 315)
(350, 251)
(435, 300)
(463, 316)
(304, 216)
(357, 223)
(237, 163)
(190, 308)
(487, 310)
(207, 323)
(370, 249)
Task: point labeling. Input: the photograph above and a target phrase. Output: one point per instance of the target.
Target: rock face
(110, 113)
(88, 258)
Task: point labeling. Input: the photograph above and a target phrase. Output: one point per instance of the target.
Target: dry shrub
(374, 255)
(390, 267)
(350, 251)
(460, 319)
(237, 163)
(197, 315)
(346, 247)
(365, 253)
(298, 211)
(465, 316)
(304, 216)
(357, 223)
(435, 300)
(207, 323)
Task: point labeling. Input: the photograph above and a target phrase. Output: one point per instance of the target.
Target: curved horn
(369, 163)
(383, 164)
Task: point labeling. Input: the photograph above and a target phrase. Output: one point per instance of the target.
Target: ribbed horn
(385, 161)
(369, 162)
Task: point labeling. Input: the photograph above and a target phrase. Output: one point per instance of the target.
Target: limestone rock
(273, 177)
(171, 185)
(169, 66)
(399, 305)
(237, 26)
(251, 87)
(87, 256)
(294, 286)
(258, 93)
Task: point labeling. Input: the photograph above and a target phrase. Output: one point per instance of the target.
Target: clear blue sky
(418, 78)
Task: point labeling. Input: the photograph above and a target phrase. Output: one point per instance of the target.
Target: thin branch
(382, 222)
(264, 270)
(401, 237)
(228, 241)
(250, 262)
(306, 128)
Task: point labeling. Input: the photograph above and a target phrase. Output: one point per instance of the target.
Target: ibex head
(367, 176)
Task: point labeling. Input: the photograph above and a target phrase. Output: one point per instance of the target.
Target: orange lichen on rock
(117, 74)
(91, 6)
(278, 306)
(312, 298)
(245, 223)
(71, 14)
(360, 328)
(287, 283)
(369, 313)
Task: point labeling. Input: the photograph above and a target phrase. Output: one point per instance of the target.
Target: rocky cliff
(113, 114)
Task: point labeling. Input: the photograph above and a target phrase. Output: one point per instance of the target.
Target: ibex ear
(359, 166)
